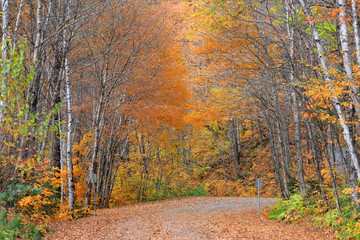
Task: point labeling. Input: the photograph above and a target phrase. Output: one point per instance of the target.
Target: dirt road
(190, 218)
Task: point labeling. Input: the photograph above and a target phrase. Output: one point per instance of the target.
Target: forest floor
(189, 218)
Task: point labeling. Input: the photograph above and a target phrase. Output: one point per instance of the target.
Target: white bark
(334, 100)
(38, 31)
(5, 32)
(62, 164)
(5, 13)
(296, 111)
(344, 41)
(71, 185)
(97, 124)
(70, 175)
(356, 30)
(18, 21)
(94, 154)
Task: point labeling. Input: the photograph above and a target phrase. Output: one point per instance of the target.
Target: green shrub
(12, 227)
(346, 224)
(196, 192)
(289, 210)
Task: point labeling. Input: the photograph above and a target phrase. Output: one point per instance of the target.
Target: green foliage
(293, 183)
(347, 224)
(202, 171)
(14, 193)
(13, 85)
(312, 210)
(18, 121)
(289, 210)
(328, 218)
(12, 227)
(195, 192)
(273, 192)
(276, 7)
(31, 195)
(26, 202)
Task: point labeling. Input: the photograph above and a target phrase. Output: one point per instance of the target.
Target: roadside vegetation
(312, 210)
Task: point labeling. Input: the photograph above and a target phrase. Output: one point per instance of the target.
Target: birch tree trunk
(334, 100)
(63, 163)
(91, 171)
(38, 31)
(17, 23)
(5, 33)
(344, 41)
(70, 175)
(71, 185)
(296, 111)
(355, 19)
(97, 124)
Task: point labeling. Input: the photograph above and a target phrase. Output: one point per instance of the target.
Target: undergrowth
(313, 210)
(28, 204)
(14, 226)
(16, 221)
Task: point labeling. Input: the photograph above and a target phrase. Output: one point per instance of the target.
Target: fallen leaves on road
(190, 218)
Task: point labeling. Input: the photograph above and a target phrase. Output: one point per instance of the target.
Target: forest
(106, 103)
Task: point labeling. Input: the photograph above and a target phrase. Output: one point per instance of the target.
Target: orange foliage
(43, 181)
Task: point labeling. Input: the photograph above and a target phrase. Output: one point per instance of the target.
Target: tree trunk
(333, 178)
(63, 164)
(5, 34)
(70, 170)
(234, 149)
(283, 164)
(296, 111)
(220, 150)
(91, 172)
(344, 41)
(297, 132)
(55, 78)
(316, 158)
(38, 31)
(17, 23)
(274, 157)
(334, 100)
(123, 154)
(355, 18)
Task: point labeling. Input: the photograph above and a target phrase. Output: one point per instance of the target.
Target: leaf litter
(188, 218)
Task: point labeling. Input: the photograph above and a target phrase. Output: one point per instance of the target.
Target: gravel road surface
(189, 218)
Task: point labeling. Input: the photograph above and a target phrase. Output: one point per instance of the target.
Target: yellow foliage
(83, 146)
(326, 175)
